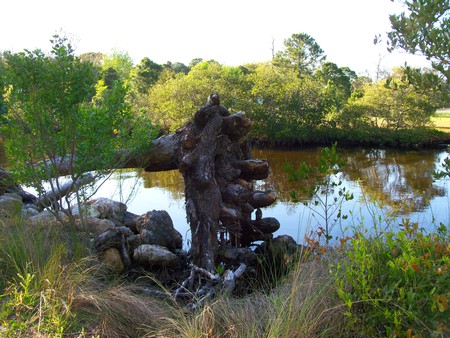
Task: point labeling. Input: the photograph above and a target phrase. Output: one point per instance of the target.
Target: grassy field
(442, 120)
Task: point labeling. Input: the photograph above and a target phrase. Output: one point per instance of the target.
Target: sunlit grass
(303, 305)
(49, 288)
(442, 120)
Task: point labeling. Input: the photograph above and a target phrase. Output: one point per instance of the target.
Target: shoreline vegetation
(387, 282)
(393, 284)
(390, 282)
(437, 136)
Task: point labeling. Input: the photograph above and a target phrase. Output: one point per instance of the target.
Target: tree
(58, 112)
(284, 106)
(121, 62)
(397, 104)
(424, 29)
(95, 58)
(145, 75)
(338, 84)
(301, 53)
(194, 62)
(177, 67)
(172, 102)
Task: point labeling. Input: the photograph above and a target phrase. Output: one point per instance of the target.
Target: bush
(397, 284)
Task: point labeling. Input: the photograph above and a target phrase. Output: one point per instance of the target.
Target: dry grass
(302, 306)
(70, 296)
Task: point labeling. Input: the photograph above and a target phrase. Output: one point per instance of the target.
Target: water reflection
(388, 185)
(402, 181)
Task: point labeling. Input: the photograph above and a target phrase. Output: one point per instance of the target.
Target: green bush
(397, 284)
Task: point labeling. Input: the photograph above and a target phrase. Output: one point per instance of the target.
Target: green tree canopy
(59, 112)
(302, 53)
(338, 82)
(145, 75)
(424, 29)
(172, 102)
(121, 62)
(396, 103)
(283, 105)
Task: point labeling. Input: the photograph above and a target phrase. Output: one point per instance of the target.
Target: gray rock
(29, 211)
(95, 225)
(10, 205)
(147, 254)
(46, 217)
(156, 227)
(105, 208)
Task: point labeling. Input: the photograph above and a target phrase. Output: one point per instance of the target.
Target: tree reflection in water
(384, 182)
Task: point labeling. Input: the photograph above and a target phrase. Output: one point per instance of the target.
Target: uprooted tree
(215, 158)
(63, 121)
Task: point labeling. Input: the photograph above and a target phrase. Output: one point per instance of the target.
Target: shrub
(397, 284)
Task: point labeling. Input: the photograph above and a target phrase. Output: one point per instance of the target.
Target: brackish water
(388, 186)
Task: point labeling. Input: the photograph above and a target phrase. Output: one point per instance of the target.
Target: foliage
(284, 106)
(144, 75)
(173, 103)
(121, 62)
(424, 29)
(324, 186)
(59, 113)
(396, 103)
(36, 276)
(302, 53)
(396, 284)
(338, 82)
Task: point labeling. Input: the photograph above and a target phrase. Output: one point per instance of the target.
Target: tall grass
(302, 305)
(50, 287)
(395, 283)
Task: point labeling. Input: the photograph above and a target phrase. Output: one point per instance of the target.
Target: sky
(232, 32)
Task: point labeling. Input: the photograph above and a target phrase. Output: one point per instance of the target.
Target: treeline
(296, 98)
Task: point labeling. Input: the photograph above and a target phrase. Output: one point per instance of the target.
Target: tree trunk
(216, 162)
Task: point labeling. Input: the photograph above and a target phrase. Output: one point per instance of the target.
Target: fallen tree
(215, 159)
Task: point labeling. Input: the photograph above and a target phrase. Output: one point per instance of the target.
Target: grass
(50, 287)
(442, 120)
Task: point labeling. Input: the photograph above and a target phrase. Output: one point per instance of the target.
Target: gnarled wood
(216, 162)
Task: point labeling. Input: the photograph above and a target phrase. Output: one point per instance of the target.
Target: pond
(388, 186)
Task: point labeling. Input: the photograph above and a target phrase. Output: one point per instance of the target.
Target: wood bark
(216, 161)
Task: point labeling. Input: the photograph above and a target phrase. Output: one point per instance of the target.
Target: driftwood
(52, 197)
(218, 169)
(214, 282)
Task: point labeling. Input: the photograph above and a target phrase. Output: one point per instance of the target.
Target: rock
(105, 208)
(95, 225)
(283, 245)
(29, 210)
(111, 257)
(112, 238)
(267, 225)
(238, 255)
(129, 220)
(45, 217)
(156, 227)
(147, 254)
(10, 205)
(9, 185)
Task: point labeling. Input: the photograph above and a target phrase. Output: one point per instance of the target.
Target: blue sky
(232, 32)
